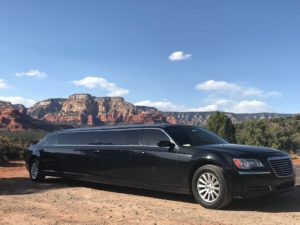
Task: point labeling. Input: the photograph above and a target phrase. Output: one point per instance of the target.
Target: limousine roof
(158, 125)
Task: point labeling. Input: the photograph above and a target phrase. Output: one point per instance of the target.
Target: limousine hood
(238, 150)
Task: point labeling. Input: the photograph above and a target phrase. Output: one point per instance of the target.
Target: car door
(157, 165)
(50, 154)
(75, 149)
(114, 158)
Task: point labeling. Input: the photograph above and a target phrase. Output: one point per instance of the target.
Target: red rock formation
(14, 117)
(84, 109)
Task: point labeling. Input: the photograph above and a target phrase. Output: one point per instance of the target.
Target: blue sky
(202, 55)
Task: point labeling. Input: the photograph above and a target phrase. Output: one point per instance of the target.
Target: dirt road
(67, 202)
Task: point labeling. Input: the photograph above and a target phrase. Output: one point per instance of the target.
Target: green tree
(221, 124)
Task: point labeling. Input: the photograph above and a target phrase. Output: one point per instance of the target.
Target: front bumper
(247, 185)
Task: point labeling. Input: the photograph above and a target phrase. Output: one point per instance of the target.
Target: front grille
(282, 166)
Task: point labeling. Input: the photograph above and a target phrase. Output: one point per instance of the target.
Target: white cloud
(3, 85)
(178, 56)
(251, 106)
(233, 89)
(32, 73)
(18, 100)
(94, 82)
(212, 85)
(163, 105)
(207, 108)
(219, 104)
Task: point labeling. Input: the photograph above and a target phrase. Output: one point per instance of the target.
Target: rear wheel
(35, 171)
(210, 187)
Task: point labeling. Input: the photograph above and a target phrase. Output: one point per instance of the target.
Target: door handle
(98, 151)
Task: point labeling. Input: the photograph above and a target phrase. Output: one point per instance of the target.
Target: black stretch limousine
(176, 158)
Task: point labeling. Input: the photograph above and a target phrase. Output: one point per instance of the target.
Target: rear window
(77, 138)
(110, 138)
(123, 137)
(132, 137)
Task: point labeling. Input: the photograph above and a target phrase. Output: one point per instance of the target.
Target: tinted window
(110, 138)
(151, 137)
(131, 137)
(51, 140)
(77, 138)
(193, 136)
(126, 137)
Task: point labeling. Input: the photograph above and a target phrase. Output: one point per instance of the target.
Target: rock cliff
(86, 110)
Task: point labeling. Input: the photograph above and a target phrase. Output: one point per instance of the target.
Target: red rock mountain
(86, 110)
(14, 117)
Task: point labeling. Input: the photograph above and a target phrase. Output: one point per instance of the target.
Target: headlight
(247, 163)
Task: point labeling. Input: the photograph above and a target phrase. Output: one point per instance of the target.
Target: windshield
(193, 136)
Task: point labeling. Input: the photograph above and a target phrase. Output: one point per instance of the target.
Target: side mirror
(166, 144)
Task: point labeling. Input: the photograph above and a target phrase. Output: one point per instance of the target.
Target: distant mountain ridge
(86, 110)
(200, 118)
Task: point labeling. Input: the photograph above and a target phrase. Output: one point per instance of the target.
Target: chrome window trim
(118, 129)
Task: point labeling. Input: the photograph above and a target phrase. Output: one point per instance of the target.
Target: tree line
(278, 133)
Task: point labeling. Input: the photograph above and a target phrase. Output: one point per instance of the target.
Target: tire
(210, 187)
(35, 172)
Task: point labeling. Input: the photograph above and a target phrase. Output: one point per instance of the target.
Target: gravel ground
(68, 202)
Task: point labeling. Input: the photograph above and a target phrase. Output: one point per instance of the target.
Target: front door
(158, 165)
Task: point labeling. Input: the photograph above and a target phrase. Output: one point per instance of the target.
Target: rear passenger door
(75, 150)
(158, 165)
(50, 154)
(114, 159)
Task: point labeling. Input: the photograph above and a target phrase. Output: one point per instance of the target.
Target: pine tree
(221, 124)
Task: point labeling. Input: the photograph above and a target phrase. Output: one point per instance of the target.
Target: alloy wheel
(208, 187)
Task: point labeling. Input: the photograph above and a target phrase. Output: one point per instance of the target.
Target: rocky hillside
(14, 117)
(86, 110)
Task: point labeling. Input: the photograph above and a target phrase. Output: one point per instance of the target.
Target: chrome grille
(282, 166)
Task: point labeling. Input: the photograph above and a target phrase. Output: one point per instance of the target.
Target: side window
(77, 138)
(51, 140)
(132, 137)
(110, 138)
(151, 137)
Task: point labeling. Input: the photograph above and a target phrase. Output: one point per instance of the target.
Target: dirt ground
(68, 202)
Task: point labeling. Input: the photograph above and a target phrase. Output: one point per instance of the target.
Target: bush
(14, 143)
(280, 133)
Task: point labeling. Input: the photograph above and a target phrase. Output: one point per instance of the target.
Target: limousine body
(174, 158)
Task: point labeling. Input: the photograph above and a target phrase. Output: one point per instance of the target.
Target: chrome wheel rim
(208, 187)
(34, 170)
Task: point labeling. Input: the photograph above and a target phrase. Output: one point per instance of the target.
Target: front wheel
(35, 171)
(210, 187)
